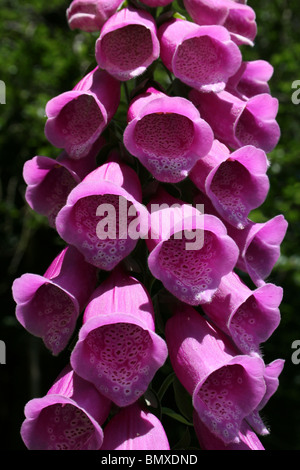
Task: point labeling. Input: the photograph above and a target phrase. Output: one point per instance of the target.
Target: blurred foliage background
(40, 58)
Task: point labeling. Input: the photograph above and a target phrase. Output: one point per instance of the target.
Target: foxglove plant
(164, 156)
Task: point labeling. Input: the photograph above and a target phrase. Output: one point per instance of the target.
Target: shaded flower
(48, 306)
(118, 349)
(135, 428)
(166, 134)
(90, 15)
(248, 316)
(234, 15)
(103, 216)
(127, 44)
(77, 118)
(236, 182)
(251, 79)
(238, 122)
(68, 417)
(203, 57)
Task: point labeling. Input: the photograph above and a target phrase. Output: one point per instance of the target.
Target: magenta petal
(48, 306)
(167, 135)
(90, 15)
(156, 3)
(69, 417)
(203, 57)
(127, 44)
(133, 428)
(225, 387)
(101, 218)
(118, 349)
(251, 79)
(248, 317)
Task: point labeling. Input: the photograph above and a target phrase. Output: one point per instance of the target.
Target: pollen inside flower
(219, 401)
(78, 121)
(190, 268)
(119, 353)
(54, 316)
(103, 238)
(127, 48)
(201, 60)
(63, 427)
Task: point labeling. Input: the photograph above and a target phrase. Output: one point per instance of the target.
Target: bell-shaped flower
(238, 122)
(166, 134)
(251, 79)
(118, 349)
(225, 386)
(48, 306)
(236, 182)
(50, 181)
(69, 417)
(90, 15)
(202, 57)
(103, 216)
(234, 15)
(189, 251)
(248, 316)
(127, 44)
(77, 118)
(248, 440)
(134, 428)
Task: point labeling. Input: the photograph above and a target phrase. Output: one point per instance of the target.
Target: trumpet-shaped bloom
(225, 387)
(190, 251)
(50, 181)
(248, 440)
(118, 349)
(48, 306)
(127, 44)
(248, 316)
(236, 182)
(103, 216)
(90, 15)
(68, 417)
(166, 134)
(203, 57)
(77, 118)
(135, 428)
(234, 15)
(238, 122)
(251, 79)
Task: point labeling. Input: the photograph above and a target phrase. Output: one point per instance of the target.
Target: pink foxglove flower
(166, 134)
(238, 18)
(68, 417)
(134, 428)
(48, 306)
(77, 118)
(156, 3)
(189, 252)
(238, 122)
(127, 44)
(248, 316)
(236, 182)
(49, 181)
(251, 79)
(225, 387)
(248, 440)
(202, 57)
(103, 216)
(118, 349)
(90, 15)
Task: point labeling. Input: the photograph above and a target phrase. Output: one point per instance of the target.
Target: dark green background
(40, 58)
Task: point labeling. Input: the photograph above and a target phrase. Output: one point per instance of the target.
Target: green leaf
(175, 416)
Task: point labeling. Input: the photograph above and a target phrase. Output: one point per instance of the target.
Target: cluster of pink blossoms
(216, 136)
